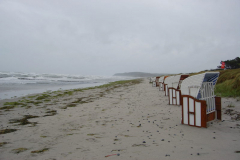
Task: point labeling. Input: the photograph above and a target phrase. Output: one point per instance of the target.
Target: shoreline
(10, 91)
(21, 84)
(133, 121)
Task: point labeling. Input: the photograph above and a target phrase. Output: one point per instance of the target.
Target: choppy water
(20, 84)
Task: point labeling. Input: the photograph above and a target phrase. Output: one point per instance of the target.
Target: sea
(18, 84)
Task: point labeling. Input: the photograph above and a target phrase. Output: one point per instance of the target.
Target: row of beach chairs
(195, 95)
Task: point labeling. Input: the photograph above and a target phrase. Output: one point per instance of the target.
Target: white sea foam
(25, 78)
(20, 84)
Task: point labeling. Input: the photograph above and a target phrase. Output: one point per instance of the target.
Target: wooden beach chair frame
(174, 96)
(194, 111)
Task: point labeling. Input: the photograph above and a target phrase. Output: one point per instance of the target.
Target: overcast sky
(103, 37)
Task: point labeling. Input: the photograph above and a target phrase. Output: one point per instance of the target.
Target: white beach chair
(199, 104)
(155, 83)
(161, 83)
(174, 92)
(167, 83)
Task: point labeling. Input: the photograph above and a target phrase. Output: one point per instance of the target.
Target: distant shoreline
(140, 74)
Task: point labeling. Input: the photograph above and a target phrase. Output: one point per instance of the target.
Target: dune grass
(228, 84)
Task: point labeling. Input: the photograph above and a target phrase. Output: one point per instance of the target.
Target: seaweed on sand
(40, 151)
(3, 143)
(43, 96)
(5, 131)
(139, 145)
(80, 100)
(24, 120)
(11, 105)
(71, 105)
(50, 113)
(19, 150)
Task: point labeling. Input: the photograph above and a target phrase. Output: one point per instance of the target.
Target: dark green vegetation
(228, 84)
(232, 64)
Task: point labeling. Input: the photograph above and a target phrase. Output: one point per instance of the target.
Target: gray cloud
(109, 36)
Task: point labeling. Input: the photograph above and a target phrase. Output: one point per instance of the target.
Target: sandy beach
(125, 122)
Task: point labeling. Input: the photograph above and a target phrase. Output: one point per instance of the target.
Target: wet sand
(125, 122)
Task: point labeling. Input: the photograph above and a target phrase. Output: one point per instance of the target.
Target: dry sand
(134, 121)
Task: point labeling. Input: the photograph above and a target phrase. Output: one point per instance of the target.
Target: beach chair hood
(192, 85)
